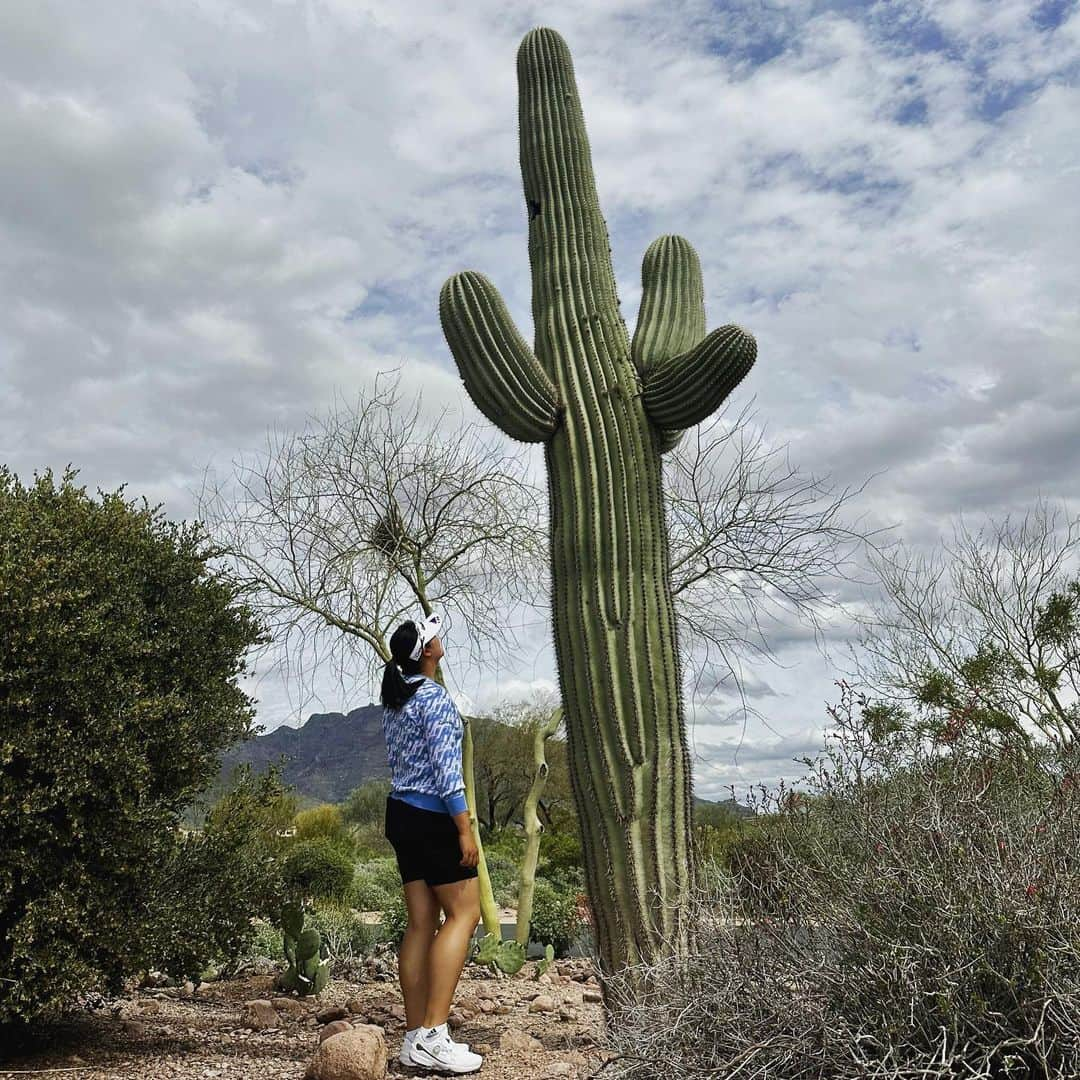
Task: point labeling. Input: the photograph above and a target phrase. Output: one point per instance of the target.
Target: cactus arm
(500, 372)
(686, 374)
(671, 319)
(685, 389)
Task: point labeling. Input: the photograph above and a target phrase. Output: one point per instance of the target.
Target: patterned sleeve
(443, 723)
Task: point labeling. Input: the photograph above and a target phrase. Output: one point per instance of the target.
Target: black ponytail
(395, 690)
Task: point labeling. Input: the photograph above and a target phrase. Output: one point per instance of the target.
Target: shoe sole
(405, 1058)
(442, 1066)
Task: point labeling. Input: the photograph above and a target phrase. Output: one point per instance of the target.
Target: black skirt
(425, 843)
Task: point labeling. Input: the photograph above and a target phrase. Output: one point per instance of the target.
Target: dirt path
(151, 1034)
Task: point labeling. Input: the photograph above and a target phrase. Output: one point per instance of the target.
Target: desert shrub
(315, 868)
(216, 879)
(324, 822)
(504, 875)
(345, 935)
(560, 855)
(395, 918)
(368, 842)
(366, 804)
(266, 940)
(375, 883)
(119, 655)
(916, 912)
(556, 917)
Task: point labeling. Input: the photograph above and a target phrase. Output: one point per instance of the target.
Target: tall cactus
(605, 408)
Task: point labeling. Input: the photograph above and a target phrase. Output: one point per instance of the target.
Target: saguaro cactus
(606, 408)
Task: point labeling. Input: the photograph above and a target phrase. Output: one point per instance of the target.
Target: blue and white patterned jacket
(423, 746)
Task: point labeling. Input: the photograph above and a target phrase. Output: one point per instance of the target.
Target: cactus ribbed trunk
(606, 410)
(612, 607)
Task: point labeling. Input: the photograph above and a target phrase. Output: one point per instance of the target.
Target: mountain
(332, 753)
(328, 755)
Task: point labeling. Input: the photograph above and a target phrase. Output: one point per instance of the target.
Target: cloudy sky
(215, 216)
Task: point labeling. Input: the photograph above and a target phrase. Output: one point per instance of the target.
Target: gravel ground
(152, 1033)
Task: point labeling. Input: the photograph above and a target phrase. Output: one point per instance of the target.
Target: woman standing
(427, 823)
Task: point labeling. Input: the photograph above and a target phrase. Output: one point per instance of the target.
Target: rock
(187, 989)
(466, 1012)
(148, 1007)
(355, 1006)
(544, 980)
(455, 1019)
(503, 1010)
(356, 1054)
(335, 1027)
(568, 1014)
(573, 994)
(334, 1012)
(483, 1049)
(397, 1011)
(592, 996)
(542, 1003)
(557, 1069)
(486, 1005)
(522, 1041)
(290, 1007)
(135, 1028)
(259, 1015)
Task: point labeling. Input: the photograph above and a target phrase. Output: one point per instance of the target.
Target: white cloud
(213, 217)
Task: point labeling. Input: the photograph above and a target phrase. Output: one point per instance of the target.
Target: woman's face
(434, 649)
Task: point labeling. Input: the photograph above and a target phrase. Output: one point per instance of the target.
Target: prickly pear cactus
(492, 952)
(308, 971)
(605, 408)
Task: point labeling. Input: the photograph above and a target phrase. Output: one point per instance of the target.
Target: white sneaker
(406, 1058)
(434, 1049)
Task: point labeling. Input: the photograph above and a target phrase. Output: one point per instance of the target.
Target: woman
(427, 823)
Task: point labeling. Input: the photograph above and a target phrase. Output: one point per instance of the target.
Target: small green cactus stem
(533, 828)
(308, 970)
(605, 411)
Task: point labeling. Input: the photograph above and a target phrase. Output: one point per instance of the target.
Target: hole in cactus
(534, 208)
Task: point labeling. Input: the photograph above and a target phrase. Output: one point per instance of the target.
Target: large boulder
(356, 1054)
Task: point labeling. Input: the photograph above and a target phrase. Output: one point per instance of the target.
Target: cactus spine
(605, 408)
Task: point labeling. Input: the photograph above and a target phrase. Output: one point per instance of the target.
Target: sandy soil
(152, 1033)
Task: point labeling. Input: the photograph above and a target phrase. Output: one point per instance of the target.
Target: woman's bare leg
(423, 908)
(461, 902)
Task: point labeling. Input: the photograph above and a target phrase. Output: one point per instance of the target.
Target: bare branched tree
(756, 543)
(369, 515)
(983, 636)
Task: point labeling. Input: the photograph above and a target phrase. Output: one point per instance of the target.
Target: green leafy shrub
(212, 882)
(324, 822)
(561, 858)
(395, 918)
(316, 868)
(119, 657)
(375, 884)
(556, 917)
(504, 879)
(366, 804)
(346, 936)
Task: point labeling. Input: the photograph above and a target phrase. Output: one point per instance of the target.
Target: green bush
(505, 876)
(369, 842)
(366, 804)
(556, 917)
(375, 883)
(394, 920)
(561, 858)
(119, 657)
(213, 881)
(345, 935)
(315, 868)
(266, 940)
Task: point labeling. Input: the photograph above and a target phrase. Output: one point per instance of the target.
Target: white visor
(426, 630)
